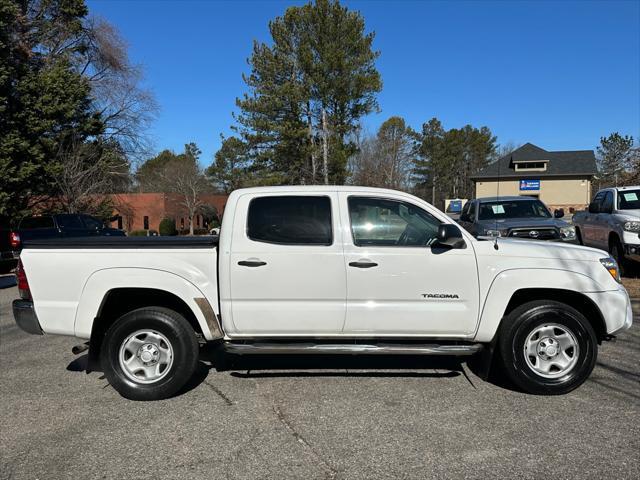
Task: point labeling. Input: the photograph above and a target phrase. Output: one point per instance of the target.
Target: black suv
(59, 225)
(515, 217)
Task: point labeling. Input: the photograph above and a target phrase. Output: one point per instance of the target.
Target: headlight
(496, 233)
(632, 226)
(612, 267)
(568, 233)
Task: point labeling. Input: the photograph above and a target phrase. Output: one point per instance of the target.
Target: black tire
(183, 344)
(515, 331)
(617, 252)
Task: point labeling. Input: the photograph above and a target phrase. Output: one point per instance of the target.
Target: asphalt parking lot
(292, 417)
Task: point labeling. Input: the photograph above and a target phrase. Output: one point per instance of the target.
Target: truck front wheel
(548, 347)
(149, 353)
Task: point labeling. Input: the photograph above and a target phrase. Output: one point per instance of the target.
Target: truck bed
(122, 242)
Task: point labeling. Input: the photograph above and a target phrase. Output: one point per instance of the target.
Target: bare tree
(386, 160)
(88, 170)
(125, 107)
(505, 149)
(179, 174)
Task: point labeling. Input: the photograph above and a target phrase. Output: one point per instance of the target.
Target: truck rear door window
(290, 220)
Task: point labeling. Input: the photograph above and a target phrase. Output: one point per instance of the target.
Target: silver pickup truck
(612, 223)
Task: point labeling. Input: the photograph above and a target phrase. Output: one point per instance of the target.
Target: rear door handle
(363, 264)
(251, 263)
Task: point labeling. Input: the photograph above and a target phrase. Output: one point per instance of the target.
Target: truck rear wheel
(149, 353)
(548, 348)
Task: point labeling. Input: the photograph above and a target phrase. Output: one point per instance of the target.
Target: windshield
(629, 200)
(513, 209)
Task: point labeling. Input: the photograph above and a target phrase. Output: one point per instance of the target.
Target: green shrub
(168, 227)
(142, 233)
(196, 231)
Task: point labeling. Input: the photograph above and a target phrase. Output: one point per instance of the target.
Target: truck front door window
(381, 222)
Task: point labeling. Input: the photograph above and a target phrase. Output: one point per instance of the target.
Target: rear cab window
(290, 220)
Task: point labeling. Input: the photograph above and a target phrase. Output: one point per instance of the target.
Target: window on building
(197, 220)
(182, 222)
(290, 220)
(119, 222)
(538, 166)
(146, 222)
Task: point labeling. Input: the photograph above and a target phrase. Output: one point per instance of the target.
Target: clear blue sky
(557, 74)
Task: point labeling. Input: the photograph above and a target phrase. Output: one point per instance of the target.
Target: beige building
(559, 179)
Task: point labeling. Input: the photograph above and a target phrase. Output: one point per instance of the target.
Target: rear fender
(101, 282)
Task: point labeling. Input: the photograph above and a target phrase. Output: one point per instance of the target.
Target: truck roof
(506, 198)
(621, 189)
(318, 188)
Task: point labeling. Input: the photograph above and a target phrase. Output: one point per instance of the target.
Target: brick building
(144, 211)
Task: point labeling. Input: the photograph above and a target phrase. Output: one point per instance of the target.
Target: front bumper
(615, 307)
(26, 317)
(632, 251)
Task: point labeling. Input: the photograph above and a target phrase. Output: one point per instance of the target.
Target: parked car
(515, 217)
(324, 270)
(612, 223)
(8, 258)
(59, 225)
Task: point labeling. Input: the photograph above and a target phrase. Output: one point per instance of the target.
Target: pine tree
(613, 157)
(308, 90)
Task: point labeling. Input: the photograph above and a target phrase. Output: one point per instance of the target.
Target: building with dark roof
(560, 179)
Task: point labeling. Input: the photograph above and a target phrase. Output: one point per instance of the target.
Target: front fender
(101, 282)
(508, 282)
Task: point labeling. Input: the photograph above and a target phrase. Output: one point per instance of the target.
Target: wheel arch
(108, 294)
(613, 237)
(515, 287)
(577, 300)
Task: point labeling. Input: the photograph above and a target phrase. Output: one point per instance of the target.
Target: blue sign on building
(455, 206)
(529, 184)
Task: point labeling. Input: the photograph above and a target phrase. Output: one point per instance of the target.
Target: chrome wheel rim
(146, 356)
(551, 350)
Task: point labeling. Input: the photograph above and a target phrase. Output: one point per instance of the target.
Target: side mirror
(558, 213)
(449, 236)
(593, 207)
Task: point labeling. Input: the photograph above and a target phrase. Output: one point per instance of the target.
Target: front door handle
(251, 263)
(363, 264)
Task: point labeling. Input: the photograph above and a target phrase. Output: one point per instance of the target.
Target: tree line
(74, 117)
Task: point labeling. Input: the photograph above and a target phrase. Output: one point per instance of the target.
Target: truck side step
(351, 348)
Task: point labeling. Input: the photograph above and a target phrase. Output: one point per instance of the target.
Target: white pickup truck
(324, 270)
(612, 223)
